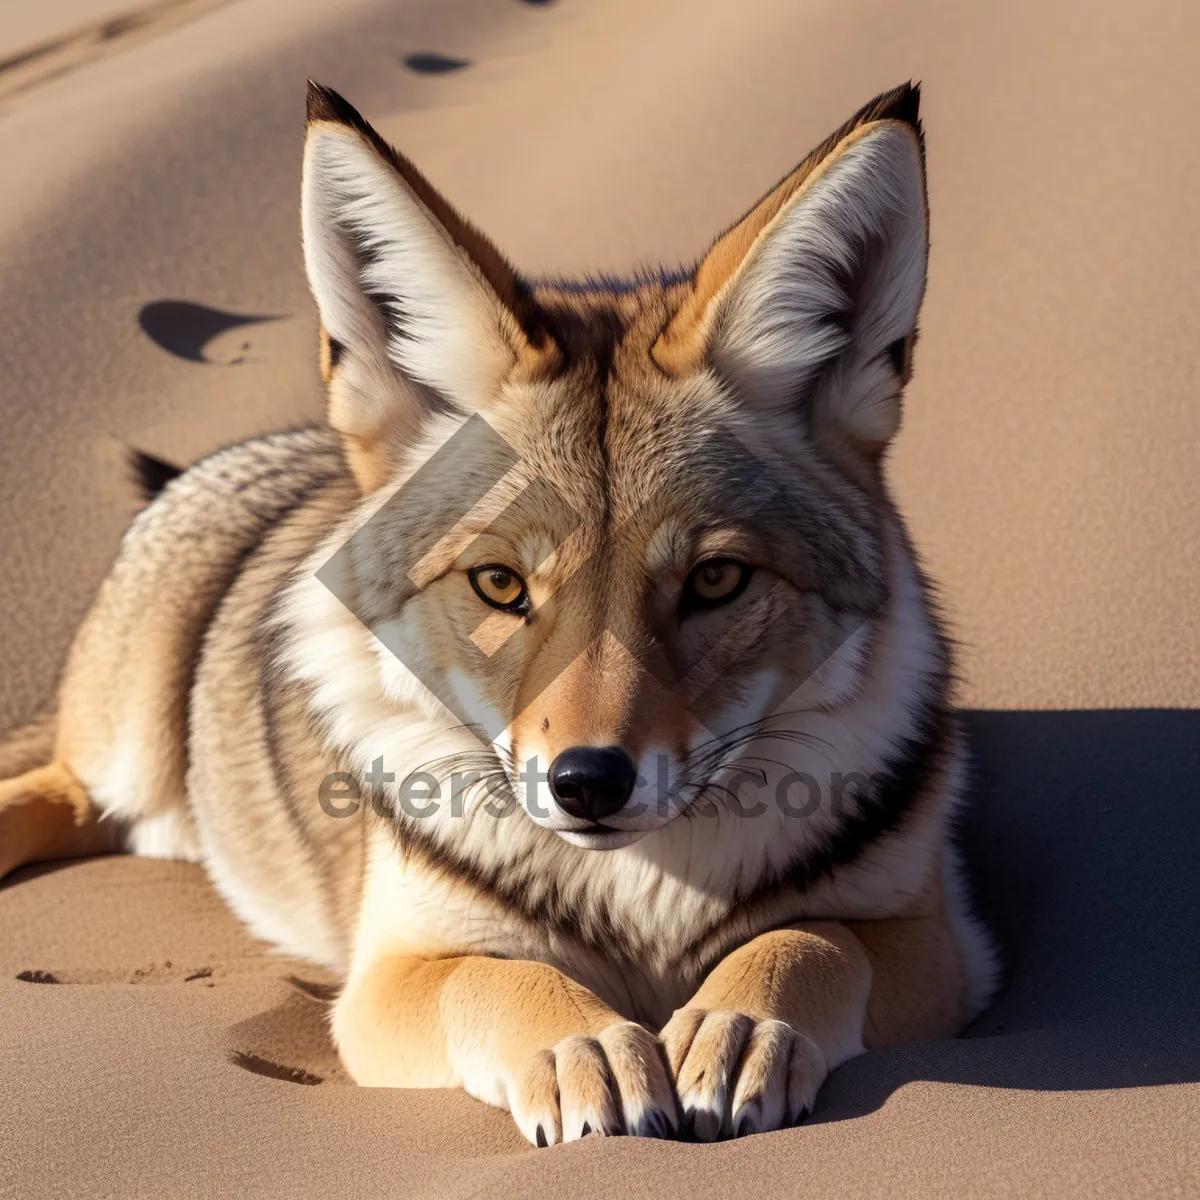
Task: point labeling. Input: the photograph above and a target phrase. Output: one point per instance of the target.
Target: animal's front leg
(754, 1044)
(519, 1035)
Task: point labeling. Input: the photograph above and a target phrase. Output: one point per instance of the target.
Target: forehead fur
(636, 454)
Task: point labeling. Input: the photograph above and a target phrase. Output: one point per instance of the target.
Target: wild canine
(612, 551)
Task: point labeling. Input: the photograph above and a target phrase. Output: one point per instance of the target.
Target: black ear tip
(904, 103)
(901, 103)
(324, 104)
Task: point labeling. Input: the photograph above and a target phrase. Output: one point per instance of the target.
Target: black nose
(592, 782)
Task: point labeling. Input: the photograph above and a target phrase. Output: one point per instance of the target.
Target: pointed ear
(813, 296)
(419, 312)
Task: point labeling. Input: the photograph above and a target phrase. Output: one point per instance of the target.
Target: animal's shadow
(1082, 838)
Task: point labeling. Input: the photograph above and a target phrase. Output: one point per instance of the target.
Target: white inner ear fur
(787, 315)
(367, 235)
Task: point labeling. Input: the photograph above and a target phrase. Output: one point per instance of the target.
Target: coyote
(575, 693)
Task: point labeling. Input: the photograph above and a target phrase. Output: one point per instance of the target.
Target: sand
(1048, 464)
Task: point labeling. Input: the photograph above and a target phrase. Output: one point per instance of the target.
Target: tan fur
(681, 348)
(791, 1004)
(524, 1028)
(45, 815)
(247, 653)
(919, 978)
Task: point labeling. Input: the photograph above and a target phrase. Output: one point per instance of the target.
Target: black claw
(655, 1125)
(585, 1130)
(802, 1116)
(541, 1137)
(743, 1128)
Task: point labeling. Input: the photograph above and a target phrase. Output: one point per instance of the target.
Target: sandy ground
(1049, 464)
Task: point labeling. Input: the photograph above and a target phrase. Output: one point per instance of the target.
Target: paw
(612, 1084)
(737, 1076)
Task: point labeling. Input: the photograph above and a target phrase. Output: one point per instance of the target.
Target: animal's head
(616, 528)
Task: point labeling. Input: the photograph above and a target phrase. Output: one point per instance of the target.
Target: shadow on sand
(1083, 840)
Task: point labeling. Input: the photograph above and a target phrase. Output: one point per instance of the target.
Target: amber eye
(715, 581)
(500, 587)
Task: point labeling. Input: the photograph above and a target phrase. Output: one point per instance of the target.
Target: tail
(45, 812)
